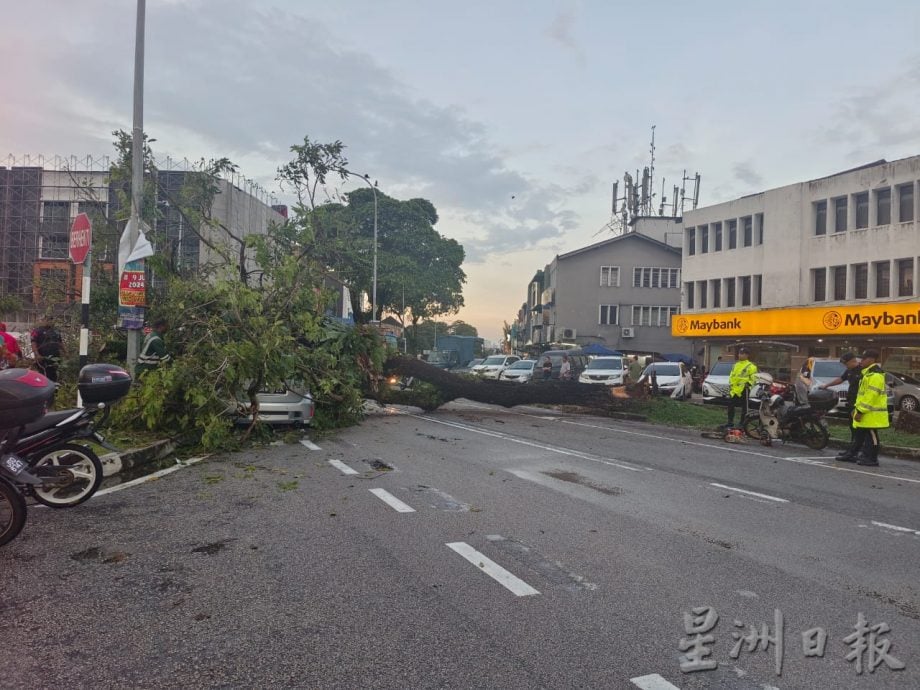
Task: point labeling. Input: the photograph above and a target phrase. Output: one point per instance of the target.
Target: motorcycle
(70, 473)
(799, 421)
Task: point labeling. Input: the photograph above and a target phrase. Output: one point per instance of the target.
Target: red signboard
(131, 289)
(81, 238)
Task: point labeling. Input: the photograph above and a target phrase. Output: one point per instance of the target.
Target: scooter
(801, 420)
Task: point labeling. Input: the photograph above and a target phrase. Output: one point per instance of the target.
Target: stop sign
(81, 237)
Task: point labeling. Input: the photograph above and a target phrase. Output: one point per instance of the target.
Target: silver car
(493, 366)
(906, 391)
(519, 372)
(288, 405)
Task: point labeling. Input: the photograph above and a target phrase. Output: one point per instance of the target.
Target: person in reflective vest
(870, 412)
(742, 377)
(153, 351)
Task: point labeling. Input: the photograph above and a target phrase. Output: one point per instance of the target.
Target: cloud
(744, 172)
(560, 30)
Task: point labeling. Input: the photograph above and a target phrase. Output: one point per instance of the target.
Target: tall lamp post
(367, 178)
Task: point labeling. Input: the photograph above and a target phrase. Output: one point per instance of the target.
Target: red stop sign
(81, 237)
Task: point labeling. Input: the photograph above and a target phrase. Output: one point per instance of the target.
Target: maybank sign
(865, 319)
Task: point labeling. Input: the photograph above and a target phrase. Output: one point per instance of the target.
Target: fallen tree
(444, 386)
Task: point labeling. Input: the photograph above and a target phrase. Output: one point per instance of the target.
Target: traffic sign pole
(81, 253)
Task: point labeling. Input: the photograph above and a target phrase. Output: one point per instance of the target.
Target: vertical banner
(132, 296)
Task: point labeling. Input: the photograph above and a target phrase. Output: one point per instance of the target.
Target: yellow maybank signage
(865, 319)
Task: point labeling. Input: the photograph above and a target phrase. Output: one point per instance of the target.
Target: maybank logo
(883, 319)
(682, 325)
(832, 320)
(714, 325)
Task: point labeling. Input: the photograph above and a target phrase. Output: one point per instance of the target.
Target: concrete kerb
(114, 463)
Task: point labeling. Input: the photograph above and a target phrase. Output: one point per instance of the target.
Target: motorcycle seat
(48, 421)
(798, 410)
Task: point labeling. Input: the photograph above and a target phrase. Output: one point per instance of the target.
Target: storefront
(781, 339)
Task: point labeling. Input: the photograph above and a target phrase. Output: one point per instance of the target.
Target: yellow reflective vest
(872, 400)
(743, 375)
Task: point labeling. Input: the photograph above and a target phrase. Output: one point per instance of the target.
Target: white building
(824, 266)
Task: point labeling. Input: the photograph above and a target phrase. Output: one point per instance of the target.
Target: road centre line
(342, 467)
(896, 528)
(652, 682)
(392, 501)
(493, 569)
(736, 449)
(533, 444)
(750, 493)
(310, 445)
(150, 477)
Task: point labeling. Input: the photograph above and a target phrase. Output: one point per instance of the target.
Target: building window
(861, 281)
(758, 290)
(906, 203)
(905, 278)
(883, 206)
(820, 217)
(652, 316)
(650, 277)
(704, 239)
(716, 293)
(862, 210)
(691, 241)
(747, 223)
(819, 278)
(55, 218)
(608, 315)
(758, 227)
(54, 246)
(729, 292)
(840, 282)
(701, 288)
(840, 214)
(610, 276)
(732, 234)
(688, 288)
(883, 279)
(717, 237)
(745, 291)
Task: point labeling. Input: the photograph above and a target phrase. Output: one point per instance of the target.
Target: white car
(519, 372)
(493, 366)
(611, 371)
(668, 375)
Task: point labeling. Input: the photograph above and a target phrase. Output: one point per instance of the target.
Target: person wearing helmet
(740, 380)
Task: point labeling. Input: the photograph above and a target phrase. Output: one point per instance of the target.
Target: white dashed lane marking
(896, 528)
(749, 493)
(652, 682)
(342, 467)
(309, 445)
(493, 569)
(392, 501)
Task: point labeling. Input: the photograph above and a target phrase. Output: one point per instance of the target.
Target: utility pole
(137, 160)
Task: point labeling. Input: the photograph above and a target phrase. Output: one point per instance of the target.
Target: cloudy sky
(513, 117)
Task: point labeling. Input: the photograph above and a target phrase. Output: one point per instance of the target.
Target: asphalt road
(492, 548)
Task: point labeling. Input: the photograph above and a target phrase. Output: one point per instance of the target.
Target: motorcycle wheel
(12, 512)
(814, 435)
(753, 427)
(79, 461)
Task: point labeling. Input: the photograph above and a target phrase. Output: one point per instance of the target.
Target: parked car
(287, 405)
(824, 371)
(493, 366)
(577, 362)
(906, 391)
(468, 367)
(611, 371)
(519, 372)
(717, 390)
(669, 376)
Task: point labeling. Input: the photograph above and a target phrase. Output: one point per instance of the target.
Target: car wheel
(908, 404)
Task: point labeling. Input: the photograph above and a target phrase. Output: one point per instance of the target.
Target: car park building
(812, 269)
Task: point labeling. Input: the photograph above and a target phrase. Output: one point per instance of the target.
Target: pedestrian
(565, 369)
(48, 347)
(547, 368)
(870, 411)
(153, 351)
(851, 376)
(10, 352)
(635, 369)
(740, 380)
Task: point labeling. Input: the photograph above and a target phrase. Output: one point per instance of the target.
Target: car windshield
(828, 370)
(664, 369)
(523, 364)
(495, 360)
(906, 378)
(721, 369)
(605, 363)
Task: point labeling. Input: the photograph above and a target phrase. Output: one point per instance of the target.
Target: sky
(513, 118)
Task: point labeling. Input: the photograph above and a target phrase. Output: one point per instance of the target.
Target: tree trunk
(908, 421)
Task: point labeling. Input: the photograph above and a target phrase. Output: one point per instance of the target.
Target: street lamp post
(367, 178)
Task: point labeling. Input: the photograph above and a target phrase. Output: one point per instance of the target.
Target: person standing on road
(565, 369)
(48, 348)
(153, 351)
(870, 411)
(851, 376)
(740, 380)
(635, 369)
(547, 368)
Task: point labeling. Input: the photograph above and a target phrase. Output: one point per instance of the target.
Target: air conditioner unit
(568, 333)
(628, 332)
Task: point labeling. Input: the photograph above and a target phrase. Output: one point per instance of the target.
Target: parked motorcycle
(799, 421)
(70, 473)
